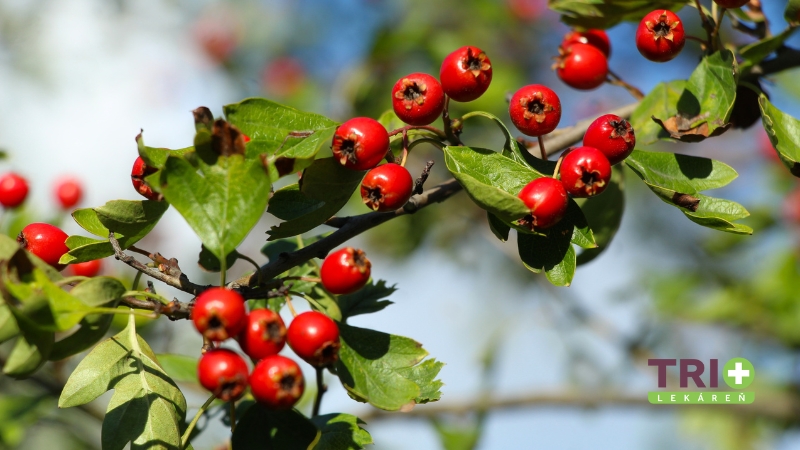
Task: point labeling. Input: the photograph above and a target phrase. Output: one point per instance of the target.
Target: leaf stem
(406, 128)
(233, 416)
(136, 280)
(130, 312)
(433, 142)
(541, 147)
(255, 264)
(616, 80)
(320, 392)
(190, 428)
(146, 294)
(290, 305)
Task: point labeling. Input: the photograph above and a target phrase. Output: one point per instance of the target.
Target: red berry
(417, 99)
(596, 38)
(263, 335)
(731, 3)
(277, 382)
(224, 373)
(69, 193)
(660, 36)
(246, 138)
(138, 173)
(535, 110)
(360, 143)
(585, 172)
(86, 269)
(612, 135)
(547, 199)
(466, 74)
(13, 190)
(219, 313)
(315, 338)
(581, 66)
(45, 241)
(345, 271)
(387, 187)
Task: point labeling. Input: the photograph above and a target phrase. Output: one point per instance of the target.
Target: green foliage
(607, 13)
(662, 101)
(341, 432)
(272, 430)
(784, 133)
(367, 300)
(180, 368)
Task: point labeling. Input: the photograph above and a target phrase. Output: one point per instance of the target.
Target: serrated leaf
(257, 116)
(757, 51)
(784, 133)
(374, 368)
(424, 374)
(147, 408)
(180, 368)
(662, 101)
(604, 214)
(341, 432)
(607, 13)
(156, 157)
(682, 173)
(261, 428)
(366, 300)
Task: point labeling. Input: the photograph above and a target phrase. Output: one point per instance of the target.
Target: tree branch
(175, 309)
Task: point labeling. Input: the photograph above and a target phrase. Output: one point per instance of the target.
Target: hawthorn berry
(581, 66)
(731, 3)
(86, 269)
(224, 373)
(547, 200)
(138, 173)
(535, 110)
(596, 38)
(69, 192)
(219, 313)
(277, 382)
(466, 74)
(387, 187)
(660, 36)
(315, 338)
(263, 335)
(417, 99)
(13, 190)
(45, 241)
(344, 271)
(612, 135)
(585, 172)
(360, 143)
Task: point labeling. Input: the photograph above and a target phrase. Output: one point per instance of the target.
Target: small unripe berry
(547, 200)
(263, 335)
(224, 373)
(277, 382)
(69, 193)
(581, 66)
(660, 36)
(13, 190)
(315, 338)
(345, 270)
(219, 313)
(386, 187)
(418, 99)
(45, 241)
(360, 143)
(535, 110)
(596, 38)
(612, 135)
(585, 172)
(139, 171)
(466, 74)
(86, 269)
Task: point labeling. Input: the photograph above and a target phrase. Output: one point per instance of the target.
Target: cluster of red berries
(583, 59)
(14, 190)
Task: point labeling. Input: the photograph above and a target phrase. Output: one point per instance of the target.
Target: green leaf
(261, 428)
(341, 432)
(607, 13)
(147, 408)
(792, 12)
(552, 253)
(221, 202)
(713, 85)
(92, 328)
(719, 214)
(156, 157)
(604, 214)
(366, 300)
(377, 367)
(489, 168)
(99, 291)
(662, 101)
(20, 414)
(458, 437)
(757, 51)
(33, 346)
(209, 262)
(62, 312)
(83, 249)
(326, 184)
(498, 227)
(180, 368)
(784, 133)
(8, 325)
(682, 173)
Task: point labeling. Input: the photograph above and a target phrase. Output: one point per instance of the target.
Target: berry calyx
(596, 38)
(86, 269)
(581, 66)
(360, 143)
(547, 200)
(417, 99)
(219, 313)
(13, 190)
(386, 187)
(585, 172)
(612, 135)
(466, 74)
(138, 173)
(264, 334)
(315, 338)
(535, 110)
(69, 192)
(731, 3)
(45, 241)
(660, 36)
(345, 270)
(277, 382)
(224, 373)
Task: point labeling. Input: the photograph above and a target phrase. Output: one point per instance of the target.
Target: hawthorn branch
(175, 309)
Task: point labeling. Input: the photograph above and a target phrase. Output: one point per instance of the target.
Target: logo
(737, 373)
